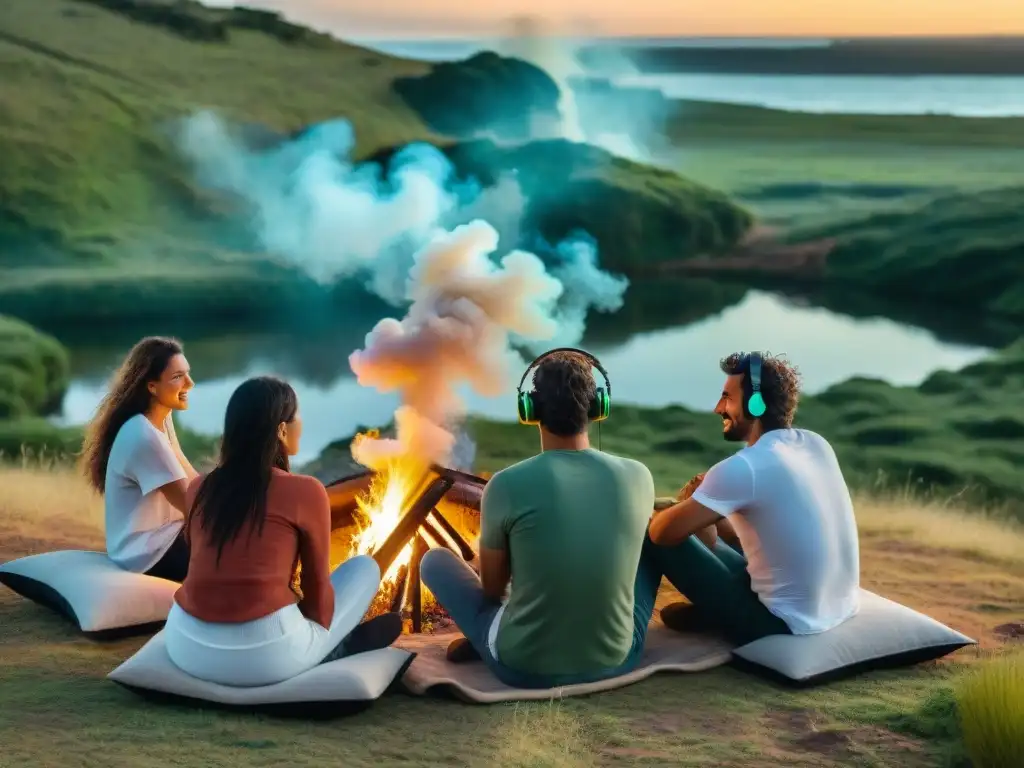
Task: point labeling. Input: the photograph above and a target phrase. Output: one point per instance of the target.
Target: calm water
(676, 365)
(963, 96)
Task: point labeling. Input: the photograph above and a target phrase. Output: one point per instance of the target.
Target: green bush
(990, 700)
(38, 437)
(485, 92)
(34, 370)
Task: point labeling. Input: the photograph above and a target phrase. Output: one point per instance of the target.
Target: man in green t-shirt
(566, 527)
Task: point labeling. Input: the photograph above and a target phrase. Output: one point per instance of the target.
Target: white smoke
(423, 240)
(534, 39)
(333, 218)
(464, 310)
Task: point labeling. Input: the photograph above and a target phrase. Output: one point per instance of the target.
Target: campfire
(395, 516)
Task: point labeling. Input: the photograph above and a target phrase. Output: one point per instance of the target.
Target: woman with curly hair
(131, 455)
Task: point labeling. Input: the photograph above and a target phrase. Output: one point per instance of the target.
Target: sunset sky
(447, 18)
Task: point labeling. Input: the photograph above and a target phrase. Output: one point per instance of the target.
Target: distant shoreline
(991, 57)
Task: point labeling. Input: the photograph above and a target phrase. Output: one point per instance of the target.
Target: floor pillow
(883, 634)
(340, 687)
(105, 601)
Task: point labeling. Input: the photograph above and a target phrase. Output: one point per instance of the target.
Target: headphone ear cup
(526, 409)
(601, 405)
(756, 406)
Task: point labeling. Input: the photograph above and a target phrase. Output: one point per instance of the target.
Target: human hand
(687, 490)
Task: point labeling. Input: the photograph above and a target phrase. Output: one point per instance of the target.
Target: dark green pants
(717, 583)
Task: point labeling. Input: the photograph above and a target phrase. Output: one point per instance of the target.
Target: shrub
(485, 92)
(991, 705)
(34, 370)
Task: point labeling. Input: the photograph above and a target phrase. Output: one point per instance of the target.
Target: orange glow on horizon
(740, 18)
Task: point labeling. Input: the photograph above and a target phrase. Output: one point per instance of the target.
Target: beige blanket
(666, 651)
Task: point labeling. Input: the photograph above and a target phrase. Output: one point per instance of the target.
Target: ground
(964, 569)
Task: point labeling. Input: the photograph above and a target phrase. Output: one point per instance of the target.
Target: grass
(992, 718)
(56, 700)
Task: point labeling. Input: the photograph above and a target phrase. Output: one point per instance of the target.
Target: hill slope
(85, 89)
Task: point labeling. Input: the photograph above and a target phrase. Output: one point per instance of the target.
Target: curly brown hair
(127, 397)
(563, 386)
(780, 387)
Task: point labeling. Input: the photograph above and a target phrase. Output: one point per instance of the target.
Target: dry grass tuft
(34, 493)
(990, 700)
(978, 533)
(543, 736)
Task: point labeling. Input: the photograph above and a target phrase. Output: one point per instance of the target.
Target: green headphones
(755, 405)
(528, 405)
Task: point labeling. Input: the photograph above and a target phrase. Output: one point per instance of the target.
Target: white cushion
(104, 600)
(348, 684)
(882, 634)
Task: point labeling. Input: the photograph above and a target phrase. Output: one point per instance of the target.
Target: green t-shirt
(573, 523)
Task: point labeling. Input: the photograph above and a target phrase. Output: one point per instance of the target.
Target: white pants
(275, 647)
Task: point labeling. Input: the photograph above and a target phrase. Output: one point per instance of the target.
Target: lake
(964, 96)
(652, 366)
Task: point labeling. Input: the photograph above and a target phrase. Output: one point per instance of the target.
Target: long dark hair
(235, 492)
(128, 396)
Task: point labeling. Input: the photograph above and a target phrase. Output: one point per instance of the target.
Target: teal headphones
(755, 405)
(528, 405)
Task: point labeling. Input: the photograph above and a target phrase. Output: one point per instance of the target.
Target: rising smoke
(538, 41)
(423, 240)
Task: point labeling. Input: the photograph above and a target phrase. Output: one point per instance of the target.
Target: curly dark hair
(780, 387)
(563, 388)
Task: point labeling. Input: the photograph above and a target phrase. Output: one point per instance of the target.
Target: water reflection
(677, 364)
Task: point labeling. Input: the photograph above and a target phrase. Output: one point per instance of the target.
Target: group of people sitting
(573, 545)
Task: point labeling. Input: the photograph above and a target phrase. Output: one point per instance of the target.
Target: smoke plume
(424, 241)
(536, 40)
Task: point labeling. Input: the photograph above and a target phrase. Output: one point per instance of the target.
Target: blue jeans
(715, 580)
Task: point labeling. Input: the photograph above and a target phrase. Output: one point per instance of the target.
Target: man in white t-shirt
(784, 498)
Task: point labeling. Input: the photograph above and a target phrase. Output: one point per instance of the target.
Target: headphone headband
(755, 404)
(754, 368)
(593, 361)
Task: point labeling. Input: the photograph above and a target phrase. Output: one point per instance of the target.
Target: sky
(720, 18)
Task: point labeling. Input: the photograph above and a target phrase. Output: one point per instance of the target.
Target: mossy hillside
(961, 251)
(89, 96)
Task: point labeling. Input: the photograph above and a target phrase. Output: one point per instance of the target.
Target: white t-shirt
(141, 524)
(788, 502)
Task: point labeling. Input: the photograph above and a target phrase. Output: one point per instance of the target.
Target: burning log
(415, 584)
(410, 522)
(398, 599)
(465, 548)
(415, 510)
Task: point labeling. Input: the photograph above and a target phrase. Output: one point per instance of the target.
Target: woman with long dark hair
(236, 619)
(131, 455)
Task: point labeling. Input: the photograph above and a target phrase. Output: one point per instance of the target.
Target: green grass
(85, 90)
(992, 718)
(58, 702)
